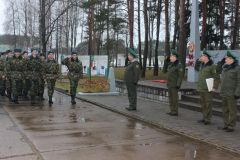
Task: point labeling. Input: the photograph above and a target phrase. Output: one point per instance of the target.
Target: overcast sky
(2, 16)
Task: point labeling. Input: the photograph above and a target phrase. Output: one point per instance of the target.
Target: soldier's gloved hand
(168, 59)
(236, 97)
(223, 61)
(177, 87)
(135, 83)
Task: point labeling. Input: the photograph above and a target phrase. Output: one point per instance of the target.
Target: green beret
(230, 55)
(73, 52)
(206, 53)
(17, 50)
(24, 52)
(174, 53)
(132, 52)
(33, 48)
(50, 52)
(7, 51)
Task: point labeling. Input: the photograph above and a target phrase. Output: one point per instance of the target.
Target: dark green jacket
(132, 72)
(51, 69)
(17, 67)
(230, 85)
(75, 69)
(206, 71)
(34, 67)
(175, 73)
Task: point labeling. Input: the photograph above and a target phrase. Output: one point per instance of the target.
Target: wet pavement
(85, 131)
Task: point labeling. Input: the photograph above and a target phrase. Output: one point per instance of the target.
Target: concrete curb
(156, 125)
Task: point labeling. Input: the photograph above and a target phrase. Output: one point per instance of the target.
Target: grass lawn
(67, 86)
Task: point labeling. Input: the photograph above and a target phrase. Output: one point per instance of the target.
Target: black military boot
(32, 100)
(16, 99)
(40, 97)
(9, 95)
(3, 93)
(50, 100)
(73, 100)
(25, 95)
(20, 93)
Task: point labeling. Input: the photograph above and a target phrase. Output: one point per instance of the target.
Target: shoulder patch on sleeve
(137, 66)
(181, 69)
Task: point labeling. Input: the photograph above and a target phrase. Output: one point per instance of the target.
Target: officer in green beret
(230, 90)
(131, 77)
(174, 68)
(17, 66)
(35, 72)
(42, 82)
(51, 74)
(206, 69)
(75, 73)
(7, 77)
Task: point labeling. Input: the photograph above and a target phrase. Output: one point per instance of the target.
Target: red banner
(191, 63)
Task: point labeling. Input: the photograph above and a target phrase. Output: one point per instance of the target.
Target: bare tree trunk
(222, 13)
(182, 43)
(234, 44)
(130, 6)
(43, 27)
(90, 31)
(139, 36)
(175, 24)
(146, 38)
(167, 46)
(159, 10)
(204, 24)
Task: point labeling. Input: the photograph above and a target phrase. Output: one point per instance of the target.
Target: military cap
(206, 53)
(50, 52)
(230, 55)
(1, 53)
(24, 52)
(174, 53)
(33, 48)
(73, 52)
(9, 50)
(41, 54)
(132, 52)
(17, 50)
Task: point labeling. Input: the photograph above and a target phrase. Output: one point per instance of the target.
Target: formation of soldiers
(23, 74)
(228, 67)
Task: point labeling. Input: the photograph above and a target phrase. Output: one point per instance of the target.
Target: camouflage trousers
(34, 86)
(73, 87)
(9, 84)
(16, 86)
(25, 85)
(41, 86)
(51, 85)
(2, 84)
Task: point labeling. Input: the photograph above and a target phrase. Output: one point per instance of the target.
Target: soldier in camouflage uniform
(51, 74)
(7, 76)
(17, 67)
(2, 66)
(42, 82)
(75, 73)
(25, 82)
(35, 72)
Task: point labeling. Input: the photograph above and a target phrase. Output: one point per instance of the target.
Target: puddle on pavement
(79, 120)
(78, 134)
(15, 129)
(135, 125)
(190, 151)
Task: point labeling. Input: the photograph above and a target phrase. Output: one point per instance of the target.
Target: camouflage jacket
(43, 64)
(6, 73)
(75, 69)
(34, 67)
(51, 69)
(17, 68)
(2, 66)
